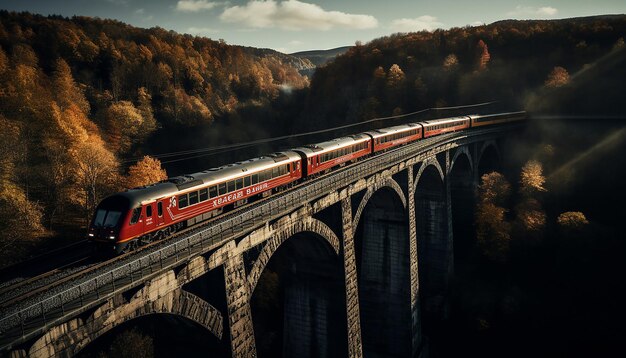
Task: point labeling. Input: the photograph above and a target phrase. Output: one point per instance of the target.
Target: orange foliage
(146, 171)
(557, 78)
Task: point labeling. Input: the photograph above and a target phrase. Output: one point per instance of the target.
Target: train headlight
(90, 235)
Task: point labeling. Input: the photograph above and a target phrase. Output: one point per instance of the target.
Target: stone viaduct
(358, 270)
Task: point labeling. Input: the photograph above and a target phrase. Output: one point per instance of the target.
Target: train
(124, 221)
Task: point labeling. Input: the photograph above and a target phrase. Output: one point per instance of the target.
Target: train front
(106, 224)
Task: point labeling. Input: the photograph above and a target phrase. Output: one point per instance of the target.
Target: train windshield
(106, 218)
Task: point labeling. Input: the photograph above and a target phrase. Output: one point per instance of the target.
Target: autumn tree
(451, 62)
(395, 88)
(96, 173)
(530, 213)
(146, 171)
(395, 76)
(20, 220)
(572, 220)
(557, 78)
(144, 105)
(124, 123)
(532, 178)
(493, 232)
(65, 89)
(483, 55)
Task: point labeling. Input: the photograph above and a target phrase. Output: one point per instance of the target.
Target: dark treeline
(506, 61)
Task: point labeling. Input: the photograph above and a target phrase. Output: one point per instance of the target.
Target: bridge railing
(61, 303)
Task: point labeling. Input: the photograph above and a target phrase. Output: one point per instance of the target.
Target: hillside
(79, 95)
(505, 61)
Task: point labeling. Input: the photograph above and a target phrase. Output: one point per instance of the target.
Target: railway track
(10, 293)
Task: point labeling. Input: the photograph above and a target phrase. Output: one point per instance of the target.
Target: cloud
(477, 23)
(201, 30)
(545, 11)
(295, 43)
(195, 5)
(294, 15)
(140, 11)
(425, 22)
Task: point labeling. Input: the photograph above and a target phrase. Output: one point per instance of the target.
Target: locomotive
(126, 220)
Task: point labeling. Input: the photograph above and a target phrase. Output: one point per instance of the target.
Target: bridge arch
(382, 253)
(489, 158)
(462, 151)
(297, 292)
(308, 224)
(430, 162)
(462, 202)
(434, 244)
(388, 183)
(73, 336)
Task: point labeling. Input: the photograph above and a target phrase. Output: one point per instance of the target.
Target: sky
(298, 25)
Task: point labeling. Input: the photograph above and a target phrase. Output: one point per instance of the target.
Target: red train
(132, 218)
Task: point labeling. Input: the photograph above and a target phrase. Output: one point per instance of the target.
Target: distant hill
(300, 63)
(321, 57)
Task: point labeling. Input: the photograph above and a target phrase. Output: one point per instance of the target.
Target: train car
(137, 216)
(321, 157)
(387, 138)
(478, 120)
(444, 125)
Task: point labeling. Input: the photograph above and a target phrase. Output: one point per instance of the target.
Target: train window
(193, 198)
(112, 218)
(255, 179)
(149, 211)
(239, 183)
(135, 217)
(160, 208)
(100, 215)
(230, 186)
(213, 192)
(204, 194)
(246, 181)
(221, 188)
(274, 172)
(182, 201)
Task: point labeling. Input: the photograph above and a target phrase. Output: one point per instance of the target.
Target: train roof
(495, 115)
(392, 130)
(134, 197)
(175, 185)
(323, 147)
(250, 166)
(443, 120)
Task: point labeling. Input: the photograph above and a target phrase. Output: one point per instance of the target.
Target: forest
(79, 96)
